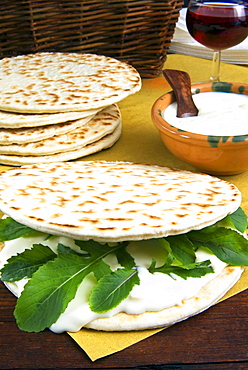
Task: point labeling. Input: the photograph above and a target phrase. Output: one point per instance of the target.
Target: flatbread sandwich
(117, 246)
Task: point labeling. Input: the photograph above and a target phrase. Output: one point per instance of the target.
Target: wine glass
(218, 25)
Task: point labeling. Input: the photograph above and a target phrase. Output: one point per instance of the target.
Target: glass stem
(215, 73)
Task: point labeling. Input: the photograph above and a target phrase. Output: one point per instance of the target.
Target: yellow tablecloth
(140, 142)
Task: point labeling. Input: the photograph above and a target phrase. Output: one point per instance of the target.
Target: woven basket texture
(137, 32)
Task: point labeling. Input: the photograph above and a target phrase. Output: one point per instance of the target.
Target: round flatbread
(114, 201)
(61, 82)
(33, 134)
(102, 124)
(104, 143)
(10, 120)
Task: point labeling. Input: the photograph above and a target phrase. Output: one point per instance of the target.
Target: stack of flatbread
(61, 106)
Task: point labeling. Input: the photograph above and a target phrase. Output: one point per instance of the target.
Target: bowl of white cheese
(216, 140)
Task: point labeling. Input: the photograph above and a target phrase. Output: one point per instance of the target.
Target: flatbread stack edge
(52, 99)
(104, 143)
(105, 207)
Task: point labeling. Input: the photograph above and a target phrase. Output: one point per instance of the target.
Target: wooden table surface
(215, 339)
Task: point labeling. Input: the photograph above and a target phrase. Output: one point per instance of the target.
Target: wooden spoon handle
(181, 84)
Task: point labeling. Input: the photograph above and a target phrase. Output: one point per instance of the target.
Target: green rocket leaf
(10, 229)
(25, 264)
(112, 289)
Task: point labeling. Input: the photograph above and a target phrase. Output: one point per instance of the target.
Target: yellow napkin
(141, 143)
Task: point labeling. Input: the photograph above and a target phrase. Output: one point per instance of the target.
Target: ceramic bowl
(217, 155)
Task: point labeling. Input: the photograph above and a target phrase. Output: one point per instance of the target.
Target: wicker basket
(138, 32)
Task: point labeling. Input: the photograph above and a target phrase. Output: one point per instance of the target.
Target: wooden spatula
(181, 84)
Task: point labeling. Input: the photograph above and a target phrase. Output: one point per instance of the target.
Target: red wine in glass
(217, 25)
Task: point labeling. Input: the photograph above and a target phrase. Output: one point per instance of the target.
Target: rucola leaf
(54, 285)
(112, 289)
(195, 270)
(239, 219)
(125, 259)
(182, 249)
(26, 263)
(166, 245)
(61, 248)
(228, 245)
(100, 269)
(180, 259)
(48, 292)
(10, 229)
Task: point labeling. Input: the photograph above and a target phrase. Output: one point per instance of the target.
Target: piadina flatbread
(126, 201)
(11, 120)
(82, 151)
(100, 125)
(99, 133)
(64, 82)
(25, 135)
(121, 209)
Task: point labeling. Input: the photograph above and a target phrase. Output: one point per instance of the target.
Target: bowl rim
(182, 135)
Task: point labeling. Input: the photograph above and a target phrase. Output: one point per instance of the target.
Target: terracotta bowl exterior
(217, 155)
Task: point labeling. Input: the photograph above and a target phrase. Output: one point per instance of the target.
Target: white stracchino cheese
(155, 292)
(220, 114)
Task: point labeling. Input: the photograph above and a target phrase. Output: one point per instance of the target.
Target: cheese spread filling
(220, 114)
(155, 292)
